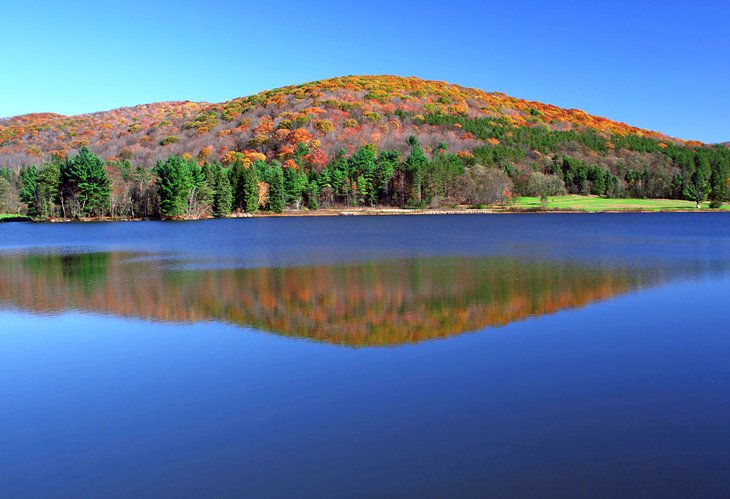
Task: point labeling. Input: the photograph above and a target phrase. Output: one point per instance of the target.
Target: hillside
(331, 114)
(355, 140)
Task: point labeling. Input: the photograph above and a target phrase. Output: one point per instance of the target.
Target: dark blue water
(515, 355)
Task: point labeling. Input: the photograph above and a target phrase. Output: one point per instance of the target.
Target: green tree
(275, 179)
(245, 182)
(209, 172)
(441, 176)
(200, 192)
(337, 176)
(295, 185)
(49, 180)
(251, 189)
(237, 181)
(174, 183)
(387, 164)
(39, 189)
(4, 194)
(698, 187)
(29, 190)
(312, 195)
(413, 168)
(363, 164)
(84, 184)
(222, 191)
(718, 181)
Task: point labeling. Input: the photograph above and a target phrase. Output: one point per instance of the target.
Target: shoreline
(373, 211)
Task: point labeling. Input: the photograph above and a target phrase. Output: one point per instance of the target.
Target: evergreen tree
(414, 167)
(236, 178)
(387, 164)
(337, 176)
(4, 194)
(250, 189)
(29, 189)
(441, 176)
(199, 191)
(276, 188)
(363, 164)
(718, 181)
(295, 184)
(312, 195)
(174, 184)
(84, 182)
(245, 183)
(698, 186)
(49, 179)
(222, 192)
(209, 173)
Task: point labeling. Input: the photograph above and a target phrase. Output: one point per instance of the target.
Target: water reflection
(359, 304)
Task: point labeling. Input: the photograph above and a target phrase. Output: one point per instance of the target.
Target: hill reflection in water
(374, 303)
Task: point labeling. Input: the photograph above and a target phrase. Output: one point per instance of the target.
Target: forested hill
(356, 140)
(326, 115)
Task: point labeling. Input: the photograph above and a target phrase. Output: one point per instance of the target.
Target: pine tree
(363, 164)
(85, 183)
(295, 184)
(414, 167)
(698, 186)
(276, 188)
(387, 164)
(250, 189)
(28, 190)
(174, 184)
(222, 192)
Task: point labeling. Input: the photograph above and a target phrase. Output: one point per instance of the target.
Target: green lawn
(595, 203)
(9, 216)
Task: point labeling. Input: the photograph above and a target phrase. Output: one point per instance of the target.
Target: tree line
(84, 185)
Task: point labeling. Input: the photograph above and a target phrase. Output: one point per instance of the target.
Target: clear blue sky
(663, 65)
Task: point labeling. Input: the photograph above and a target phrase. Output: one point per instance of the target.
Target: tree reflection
(358, 304)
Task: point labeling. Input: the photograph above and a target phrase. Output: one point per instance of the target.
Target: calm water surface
(521, 355)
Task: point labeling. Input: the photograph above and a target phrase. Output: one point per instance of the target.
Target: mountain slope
(327, 115)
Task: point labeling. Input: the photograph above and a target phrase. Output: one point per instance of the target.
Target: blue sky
(659, 65)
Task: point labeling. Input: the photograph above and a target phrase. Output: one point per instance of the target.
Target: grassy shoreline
(597, 204)
(560, 204)
(13, 217)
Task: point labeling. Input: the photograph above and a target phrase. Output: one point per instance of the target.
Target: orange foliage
(285, 152)
(317, 158)
(299, 136)
(253, 156)
(328, 108)
(205, 153)
(232, 157)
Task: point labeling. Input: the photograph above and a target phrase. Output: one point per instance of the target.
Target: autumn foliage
(360, 304)
(368, 140)
(350, 111)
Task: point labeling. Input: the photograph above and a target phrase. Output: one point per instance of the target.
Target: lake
(562, 355)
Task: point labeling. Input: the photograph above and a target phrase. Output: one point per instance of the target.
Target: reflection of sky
(629, 393)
